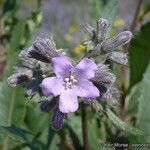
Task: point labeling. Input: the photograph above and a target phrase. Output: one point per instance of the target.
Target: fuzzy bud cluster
(99, 43)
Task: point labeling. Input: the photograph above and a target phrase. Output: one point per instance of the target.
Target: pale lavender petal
(61, 66)
(68, 101)
(86, 68)
(52, 86)
(86, 89)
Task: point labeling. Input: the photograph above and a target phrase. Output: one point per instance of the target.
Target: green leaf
(74, 137)
(36, 120)
(39, 124)
(109, 13)
(132, 100)
(12, 103)
(96, 7)
(122, 125)
(50, 138)
(97, 12)
(7, 132)
(139, 54)
(94, 134)
(20, 136)
(143, 119)
(11, 106)
(74, 122)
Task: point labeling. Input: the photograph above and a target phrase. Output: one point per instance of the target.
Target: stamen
(67, 79)
(70, 81)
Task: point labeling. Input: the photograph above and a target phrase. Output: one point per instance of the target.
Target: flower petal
(86, 89)
(86, 68)
(61, 66)
(68, 101)
(52, 86)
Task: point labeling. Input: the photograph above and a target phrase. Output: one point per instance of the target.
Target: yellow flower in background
(68, 37)
(79, 48)
(119, 23)
(73, 28)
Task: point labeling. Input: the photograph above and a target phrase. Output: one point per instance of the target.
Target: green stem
(51, 134)
(85, 127)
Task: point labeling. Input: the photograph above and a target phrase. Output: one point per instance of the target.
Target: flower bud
(20, 76)
(43, 50)
(26, 59)
(102, 88)
(47, 105)
(111, 96)
(121, 39)
(87, 29)
(107, 96)
(102, 26)
(32, 87)
(118, 57)
(57, 119)
(106, 78)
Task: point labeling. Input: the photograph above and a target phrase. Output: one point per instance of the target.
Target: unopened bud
(25, 57)
(47, 105)
(102, 88)
(106, 78)
(102, 26)
(57, 119)
(118, 57)
(43, 50)
(121, 39)
(88, 31)
(32, 87)
(107, 96)
(20, 76)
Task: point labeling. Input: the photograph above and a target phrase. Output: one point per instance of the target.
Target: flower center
(70, 81)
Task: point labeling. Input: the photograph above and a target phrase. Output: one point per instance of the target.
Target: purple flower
(70, 82)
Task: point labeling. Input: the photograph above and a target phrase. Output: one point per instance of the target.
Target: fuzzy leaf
(122, 125)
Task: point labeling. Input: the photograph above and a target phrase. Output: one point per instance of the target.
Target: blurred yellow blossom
(79, 48)
(119, 23)
(73, 28)
(68, 37)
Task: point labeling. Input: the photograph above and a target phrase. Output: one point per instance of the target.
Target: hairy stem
(124, 69)
(84, 127)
